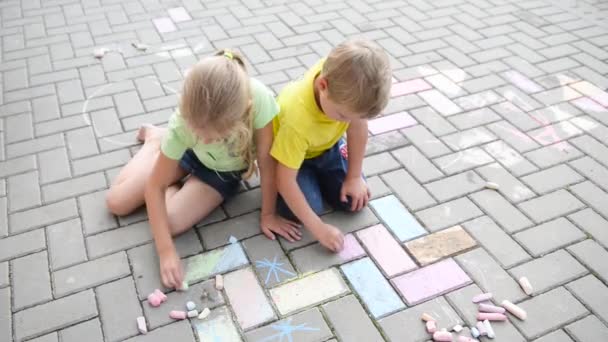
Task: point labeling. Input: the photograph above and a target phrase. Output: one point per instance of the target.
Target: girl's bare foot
(147, 131)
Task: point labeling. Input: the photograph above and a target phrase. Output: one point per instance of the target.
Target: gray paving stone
(474, 118)
(52, 337)
(379, 163)
(19, 245)
(177, 301)
(118, 305)
(53, 165)
(385, 142)
(504, 213)
(588, 329)
(4, 274)
(179, 331)
(17, 165)
(406, 325)
(498, 243)
(556, 336)
(244, 202)
(455, 186)
(514, 114)
(45, 108)
(377, 187)
(595, 197)
(416, 164)
(18, 128)
(425, 141)
(6, 331)
(145, 267)
(553, 154)
(54, 315)
(95, 216)
(311, 319)
(354, 325)
(31, 282)
(550, 271)
(34, 145)
(346, 222)
(241, 227)
(89, 331)
(592, 148)
(550, 206)
(463, 160)
(432, 120)
(513, 136)
(81, 143)
(564, 309)
(593, 224)
(101, 162)
(261, 252)
(591, 254)
(66, 244)
(479, 265)
(461, 302)
(509, 186)
(552, 179)
(591, 292)
(549, 236)
(468, 138)
(24, 191)
(90, 274)
(448, 214)
(408, 189)
(592, 170)
(118, 239)
(73, 187)
(3, 217)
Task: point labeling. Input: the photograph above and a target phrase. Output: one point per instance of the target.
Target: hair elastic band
(228, 54)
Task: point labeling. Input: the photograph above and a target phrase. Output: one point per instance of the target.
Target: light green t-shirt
(217, 156)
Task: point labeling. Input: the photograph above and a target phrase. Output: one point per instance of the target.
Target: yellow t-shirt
(302, 130)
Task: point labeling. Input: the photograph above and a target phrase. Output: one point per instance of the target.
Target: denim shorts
(226, 183)
(321, 179)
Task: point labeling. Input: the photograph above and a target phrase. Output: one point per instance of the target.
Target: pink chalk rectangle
(164, 25)
(386, 251)
(179, 14)
(431, 281)
(409, 87)
(588, 105)
(391, 122)
(351, 250)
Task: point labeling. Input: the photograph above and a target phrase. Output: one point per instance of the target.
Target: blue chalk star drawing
(274, 267)
(285, 330)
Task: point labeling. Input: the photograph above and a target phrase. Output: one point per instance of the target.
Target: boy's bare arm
(354, 185)
(294, 197)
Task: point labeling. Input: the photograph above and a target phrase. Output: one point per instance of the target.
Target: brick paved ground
(512, 92)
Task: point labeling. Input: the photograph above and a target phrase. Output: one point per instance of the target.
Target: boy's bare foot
(329, 236)
(147, 131)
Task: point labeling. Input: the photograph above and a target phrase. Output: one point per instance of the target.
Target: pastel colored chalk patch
(220, 260)
(386, 251)
(371, 286)
(397, 218)
(247, 298)
(164, 25)
(431, 281)
(218, 327)
(390, 123)
(316, 257)
(409, 87)
(441, 244)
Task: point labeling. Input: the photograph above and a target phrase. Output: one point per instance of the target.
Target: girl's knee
(116, 204)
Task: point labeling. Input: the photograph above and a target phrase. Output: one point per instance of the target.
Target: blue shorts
(321, 178)
(226, 183)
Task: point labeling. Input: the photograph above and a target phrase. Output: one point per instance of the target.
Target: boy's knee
(116, 204)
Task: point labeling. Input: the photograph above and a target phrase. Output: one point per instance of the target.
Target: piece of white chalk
(426, 317)
(232, 239)
(525, 285)
(141, 325)
(491, 308)
(219, 282)
(100, 52)
(190, 306)
(492, 186)
(491, 316)
(192, 313)
(515, 310)
(204, 313)
(140, 46)
(457, 328)
(482, 297)
(442, 336)
(489, 329)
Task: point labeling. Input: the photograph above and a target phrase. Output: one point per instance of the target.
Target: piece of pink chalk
(466, 339)
(491, 308)
(481, 328)
(442, 336)
(177, 314)
(161, 295)
(482, 297)
(431, 327)
(154, 300)
(491, 316)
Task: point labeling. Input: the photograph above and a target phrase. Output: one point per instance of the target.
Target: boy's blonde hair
(358, 74)
(216, 95)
